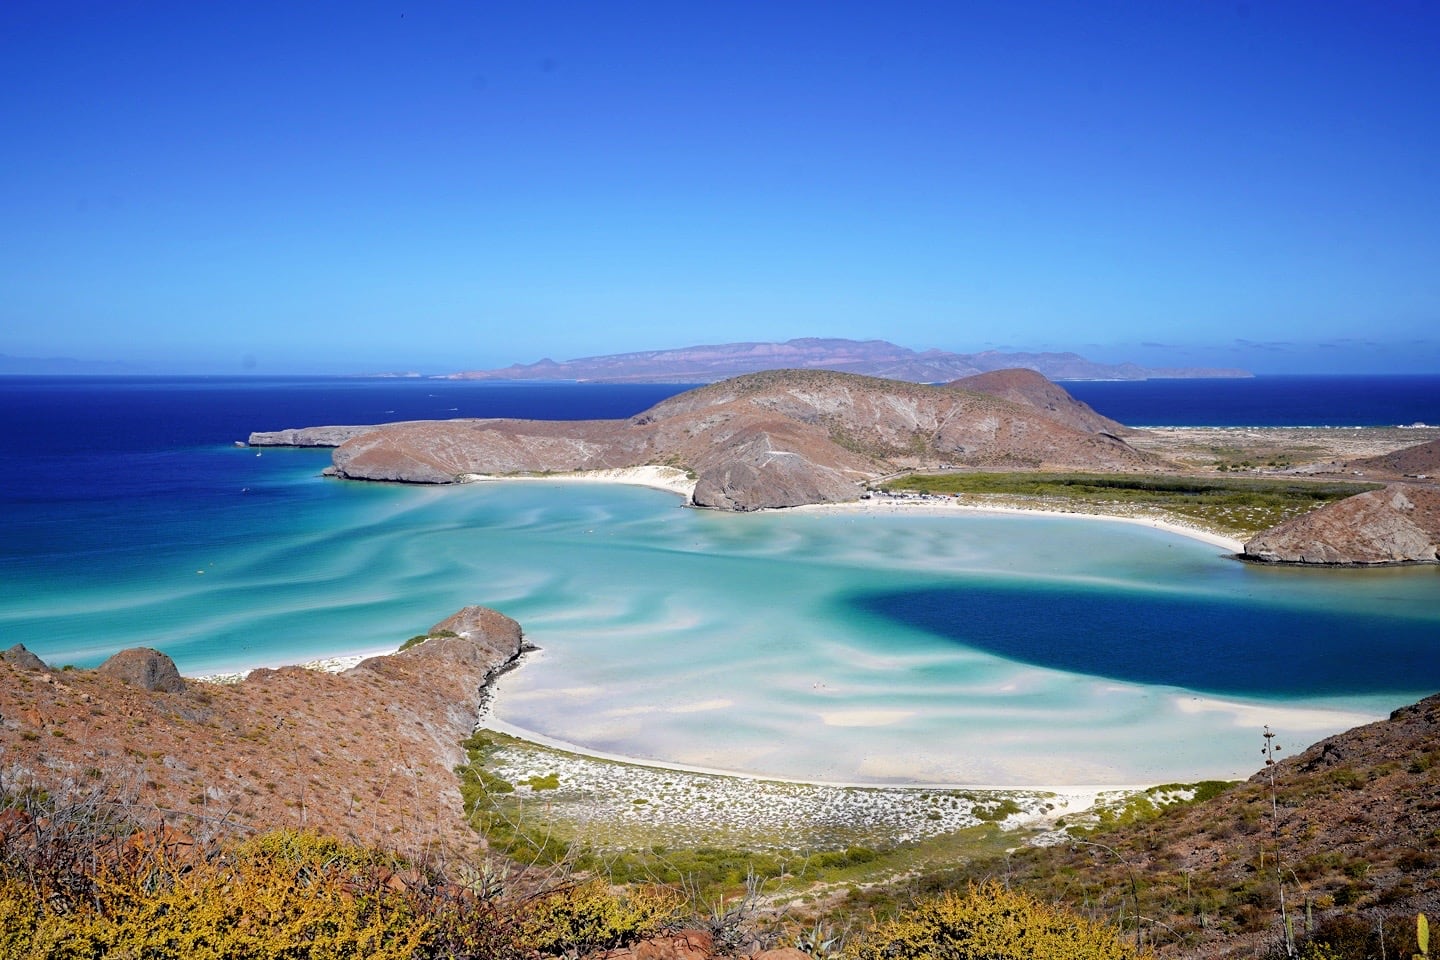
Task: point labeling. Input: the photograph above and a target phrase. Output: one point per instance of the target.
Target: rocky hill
(1031, 389)
(1420, 460)
(1399, 524)
(366, 754)
(875, 358)
(774, 439)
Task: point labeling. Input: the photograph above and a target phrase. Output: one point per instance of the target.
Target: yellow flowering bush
(989, 923)
(592, 916)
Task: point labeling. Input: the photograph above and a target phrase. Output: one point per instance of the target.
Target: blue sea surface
(1267, 401)
(973, 649)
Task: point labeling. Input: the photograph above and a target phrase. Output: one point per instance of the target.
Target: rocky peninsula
(774, 439)
(787, 438)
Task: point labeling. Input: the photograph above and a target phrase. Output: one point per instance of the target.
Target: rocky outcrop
(20, 657)
(144, 668)
(776, 439)
(307, 436)
(1399, 524)
(445, 451)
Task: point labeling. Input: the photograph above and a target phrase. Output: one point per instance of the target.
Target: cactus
(1422, 937)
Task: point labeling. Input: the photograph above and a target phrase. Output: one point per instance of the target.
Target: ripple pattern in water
(831, 647)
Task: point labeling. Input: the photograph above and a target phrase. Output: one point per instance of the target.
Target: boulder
(144, 668)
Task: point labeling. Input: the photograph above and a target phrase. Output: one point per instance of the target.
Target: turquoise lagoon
(975, 649)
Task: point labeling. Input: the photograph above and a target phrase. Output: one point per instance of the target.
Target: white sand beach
(951, 506)
(669, 479)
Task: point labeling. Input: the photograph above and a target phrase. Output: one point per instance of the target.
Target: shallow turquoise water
(780, 644)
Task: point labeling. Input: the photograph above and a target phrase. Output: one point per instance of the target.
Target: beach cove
(873, 643)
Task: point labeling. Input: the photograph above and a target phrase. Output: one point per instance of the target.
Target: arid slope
(366, 754)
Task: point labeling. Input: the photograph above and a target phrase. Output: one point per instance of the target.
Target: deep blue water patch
(1206, 645)
(1275, 401)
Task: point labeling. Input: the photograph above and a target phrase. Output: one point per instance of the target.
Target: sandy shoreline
(943, 506)
(669, 479)
(673, 480)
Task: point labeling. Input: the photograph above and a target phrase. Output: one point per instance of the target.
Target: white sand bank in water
(952, 506)
(669, 479)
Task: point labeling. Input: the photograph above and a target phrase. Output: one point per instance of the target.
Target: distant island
(873, 358)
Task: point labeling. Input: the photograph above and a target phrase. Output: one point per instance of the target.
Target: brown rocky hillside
(1399, 524)
(367, 754)
(1030, 389)
(1421, 459)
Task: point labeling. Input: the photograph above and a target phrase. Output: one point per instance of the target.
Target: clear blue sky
(346, 186)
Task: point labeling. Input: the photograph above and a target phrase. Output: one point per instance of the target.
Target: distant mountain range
(59, 366)
(875, 358)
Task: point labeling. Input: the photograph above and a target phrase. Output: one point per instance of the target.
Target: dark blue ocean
(1288, 401)
(131, 517)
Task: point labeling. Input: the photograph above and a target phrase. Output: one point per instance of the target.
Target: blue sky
(348, 186)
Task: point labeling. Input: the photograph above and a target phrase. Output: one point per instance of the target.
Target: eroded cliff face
(775, 439)
(1399, 524)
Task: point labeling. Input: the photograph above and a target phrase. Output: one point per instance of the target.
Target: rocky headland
(366, 754)
(776, 439)
(787, 438)
(1399, 524)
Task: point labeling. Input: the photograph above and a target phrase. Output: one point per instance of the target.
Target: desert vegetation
(1234, 506)
(94, 875)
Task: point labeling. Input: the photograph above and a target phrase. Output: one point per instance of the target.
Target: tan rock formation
(1399, 524)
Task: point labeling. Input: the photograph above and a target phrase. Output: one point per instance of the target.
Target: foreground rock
(1399, 524)
(776, 439)
(367, 754)
(144, 668)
